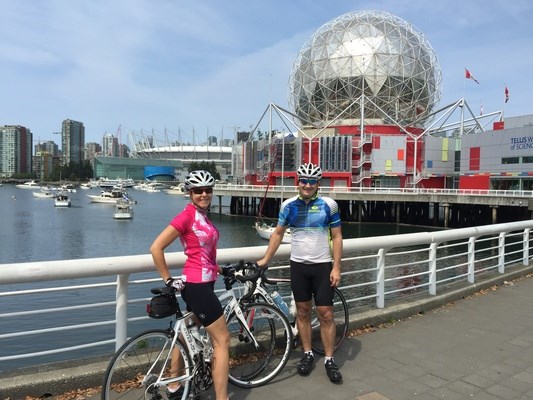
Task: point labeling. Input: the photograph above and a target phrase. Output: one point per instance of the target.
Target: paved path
(478, 348)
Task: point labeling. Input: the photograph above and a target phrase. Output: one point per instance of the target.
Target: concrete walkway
(477, 348)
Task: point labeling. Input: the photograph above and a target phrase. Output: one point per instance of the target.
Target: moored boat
(28, 185)
(45, 193)
(62, 200)
(177, 189)
(68, 187)
(123, 209)
(109, 196)
(109, 183)
(265, 230)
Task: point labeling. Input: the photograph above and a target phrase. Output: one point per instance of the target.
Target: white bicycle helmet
(199, 179)
(309, 170)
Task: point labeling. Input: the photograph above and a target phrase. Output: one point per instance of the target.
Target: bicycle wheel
(136, 366)
(342, 319)
(251, 365)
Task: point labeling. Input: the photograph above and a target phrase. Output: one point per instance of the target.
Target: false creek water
(32, 229)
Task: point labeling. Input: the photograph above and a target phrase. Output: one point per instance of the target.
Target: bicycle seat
(163, 290)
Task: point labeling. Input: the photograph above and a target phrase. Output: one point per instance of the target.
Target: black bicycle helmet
(199, 179)
(309, 170)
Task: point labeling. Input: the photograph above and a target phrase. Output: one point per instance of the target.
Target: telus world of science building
(364, 93)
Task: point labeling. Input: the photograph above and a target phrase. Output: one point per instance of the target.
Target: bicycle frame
(260, 290)
(195, 347)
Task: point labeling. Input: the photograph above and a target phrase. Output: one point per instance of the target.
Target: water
(32, 229)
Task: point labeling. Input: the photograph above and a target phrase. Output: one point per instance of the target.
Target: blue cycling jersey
(310, 227)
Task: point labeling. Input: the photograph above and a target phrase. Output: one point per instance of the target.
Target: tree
(206, 166)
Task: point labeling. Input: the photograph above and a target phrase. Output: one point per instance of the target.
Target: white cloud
(210, 65)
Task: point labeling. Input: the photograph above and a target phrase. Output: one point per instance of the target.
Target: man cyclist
(315, 262)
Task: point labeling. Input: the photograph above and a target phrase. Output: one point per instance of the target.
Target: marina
(32, 231)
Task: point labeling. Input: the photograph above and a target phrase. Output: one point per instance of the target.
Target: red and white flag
(468, 75)
(506, 94)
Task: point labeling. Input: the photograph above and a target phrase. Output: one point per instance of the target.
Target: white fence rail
(520, 194)
(61, 310)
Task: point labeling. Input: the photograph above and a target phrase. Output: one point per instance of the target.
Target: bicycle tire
(250, 366)
(342, 320)
(126, 375)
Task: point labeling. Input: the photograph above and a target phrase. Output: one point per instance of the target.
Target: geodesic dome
(366, 58)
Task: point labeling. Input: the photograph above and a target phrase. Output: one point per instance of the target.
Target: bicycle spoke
(136, 366)
(250, 364)
(341, 316)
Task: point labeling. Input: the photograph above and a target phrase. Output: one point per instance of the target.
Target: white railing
(90, 306)
(246, 189)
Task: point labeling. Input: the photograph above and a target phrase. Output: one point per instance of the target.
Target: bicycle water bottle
(292, 307)
(280, 302)
(195, 332)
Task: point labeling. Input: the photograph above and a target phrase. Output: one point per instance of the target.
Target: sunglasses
(207, 190)
(305, 181)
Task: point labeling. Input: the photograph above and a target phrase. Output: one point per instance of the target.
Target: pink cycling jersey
(199, 238)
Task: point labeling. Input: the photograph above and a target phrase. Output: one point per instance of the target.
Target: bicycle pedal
(243, 338)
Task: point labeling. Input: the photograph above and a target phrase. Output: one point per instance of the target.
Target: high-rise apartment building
(72, 142)
(15, 150)
(49, 146)
(92, 149)
(43, 164)
(109, 145)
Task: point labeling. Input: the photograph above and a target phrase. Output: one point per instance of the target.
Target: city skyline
(137, 65)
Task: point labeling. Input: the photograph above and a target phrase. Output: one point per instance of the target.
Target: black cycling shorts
(311, 281)
(202, 301)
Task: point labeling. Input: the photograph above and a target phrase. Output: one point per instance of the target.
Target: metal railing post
(121, 311)
(380, 281)
(432, 278)
(501, 252)
(471, 259)
(525, 252)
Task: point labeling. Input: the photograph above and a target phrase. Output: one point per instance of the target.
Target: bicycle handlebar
(243, 272)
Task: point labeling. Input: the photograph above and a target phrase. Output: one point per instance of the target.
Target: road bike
(259, 292)
(260, 347)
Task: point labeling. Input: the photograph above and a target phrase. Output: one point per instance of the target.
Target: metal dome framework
(368, 65)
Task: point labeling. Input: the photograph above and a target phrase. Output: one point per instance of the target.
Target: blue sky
(209, 66)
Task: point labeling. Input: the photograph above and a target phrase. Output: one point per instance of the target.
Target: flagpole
(504, 98)
(464, 84)
(461, 123)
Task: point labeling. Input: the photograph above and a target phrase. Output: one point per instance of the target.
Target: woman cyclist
(199, 238)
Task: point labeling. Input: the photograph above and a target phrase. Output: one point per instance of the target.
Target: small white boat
(68, 187)
(62, 200)
(123, 209)
(45, 193)
(178, 189)
(264, 231)
(109, 183)
(108, 197)
(149, 186)
(28, 185)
